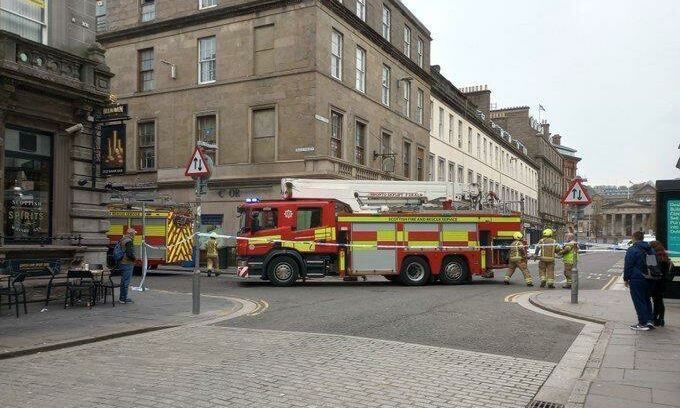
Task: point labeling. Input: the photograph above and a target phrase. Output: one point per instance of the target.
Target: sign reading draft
(673, 228)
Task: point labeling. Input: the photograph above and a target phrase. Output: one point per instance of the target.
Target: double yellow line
(513, 298)
(611, 282)
(261, 307)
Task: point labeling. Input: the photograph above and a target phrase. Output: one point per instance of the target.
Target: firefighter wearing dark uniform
(546, 250)
(518, 259)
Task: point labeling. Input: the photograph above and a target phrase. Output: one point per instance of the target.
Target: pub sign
(113, 150)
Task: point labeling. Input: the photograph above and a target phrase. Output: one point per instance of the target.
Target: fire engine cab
(409, 232)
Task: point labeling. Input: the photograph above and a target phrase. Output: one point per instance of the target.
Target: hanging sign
(113, 150)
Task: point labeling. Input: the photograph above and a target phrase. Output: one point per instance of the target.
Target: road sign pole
(196, 279)
(574, 272)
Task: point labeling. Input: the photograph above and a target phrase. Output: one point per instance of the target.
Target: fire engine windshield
(258, 219)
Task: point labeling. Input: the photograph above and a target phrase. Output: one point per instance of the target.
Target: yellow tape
(433, 219)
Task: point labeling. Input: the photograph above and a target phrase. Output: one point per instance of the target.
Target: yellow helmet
(547, 233)
(517, 235)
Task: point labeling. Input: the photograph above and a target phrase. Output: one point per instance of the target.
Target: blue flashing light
(252, 200)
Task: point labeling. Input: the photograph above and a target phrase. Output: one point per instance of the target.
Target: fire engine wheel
(415, 272)
(455, 272)
(283, 271)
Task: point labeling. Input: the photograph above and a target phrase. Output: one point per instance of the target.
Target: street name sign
(198, 165)
(576, 194)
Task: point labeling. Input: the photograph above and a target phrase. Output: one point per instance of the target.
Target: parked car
(623, 245)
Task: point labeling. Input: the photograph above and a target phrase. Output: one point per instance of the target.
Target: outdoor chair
(77, 282)
(111, 284)
(16, 289)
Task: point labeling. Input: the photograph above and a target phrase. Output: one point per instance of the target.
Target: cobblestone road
(228, 367)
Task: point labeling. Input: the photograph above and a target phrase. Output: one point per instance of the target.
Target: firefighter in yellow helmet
(546, 250)
(212, 255)
(569, 252)
(518, 259)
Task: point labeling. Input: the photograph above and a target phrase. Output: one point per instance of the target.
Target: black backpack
(652, 270)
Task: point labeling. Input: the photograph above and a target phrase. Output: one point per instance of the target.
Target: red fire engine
(408, 232)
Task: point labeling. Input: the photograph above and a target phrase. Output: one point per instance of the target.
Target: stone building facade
(570, 163)
(536, 138)
(52, 77)
(304, 88)
(466, 147)
(626, 210)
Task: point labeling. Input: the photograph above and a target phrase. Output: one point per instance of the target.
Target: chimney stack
(546, 128)
(557, 140)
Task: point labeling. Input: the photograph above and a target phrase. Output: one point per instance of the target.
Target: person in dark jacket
(127, 264)
(659, 286)
(634, 278)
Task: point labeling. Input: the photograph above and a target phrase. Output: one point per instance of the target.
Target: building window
(146, 66)
(420, 51)
(407, 41)
(360, 143)
(441, 164)
(460, 134)
(203, 4)
(100, 13)
(148, 10)
(26, 19)
(361, 70)
(471, 177)
(407, 99)
(336, 135)
(452, 172)
(419, 106)
(386, 78)
(206, 131)
(430, 167)
(386, 23)
(485, 152)
(206, 60)
(479, 146)
(336, 55)
(361, 9)
(420, 164)
(146, 137)
(385, 143)
(441, 123)
(460, 176)
(407, 159)
(263, 130)
(27, 186)
(469, 146)
(451, 123)
(264, 49)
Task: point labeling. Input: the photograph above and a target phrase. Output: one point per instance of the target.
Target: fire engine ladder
(375, 195)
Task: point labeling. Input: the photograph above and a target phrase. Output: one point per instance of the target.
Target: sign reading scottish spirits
(113, 150)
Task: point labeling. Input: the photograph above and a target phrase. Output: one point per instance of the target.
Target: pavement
(626, 368)
(57, 327)
(334, 344)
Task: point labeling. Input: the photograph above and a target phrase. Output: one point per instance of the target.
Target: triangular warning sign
(576, 194)
(198, 165)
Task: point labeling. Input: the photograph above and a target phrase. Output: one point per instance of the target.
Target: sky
(607, 73)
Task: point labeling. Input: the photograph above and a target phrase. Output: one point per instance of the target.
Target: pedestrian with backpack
(637, 277)
(659, 285)
(124, 255)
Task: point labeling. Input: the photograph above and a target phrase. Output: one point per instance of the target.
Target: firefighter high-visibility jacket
(517, 251)
(569, 252)
(546, 249)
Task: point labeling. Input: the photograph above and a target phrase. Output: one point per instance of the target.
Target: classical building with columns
(621, 216)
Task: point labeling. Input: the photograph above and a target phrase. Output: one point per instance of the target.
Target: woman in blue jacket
(634, 277)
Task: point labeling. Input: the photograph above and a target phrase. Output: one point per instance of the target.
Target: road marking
(514, 297)
(609, 284)
(262, 306)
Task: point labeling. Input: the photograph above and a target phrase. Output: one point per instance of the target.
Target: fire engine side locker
(366, 257)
